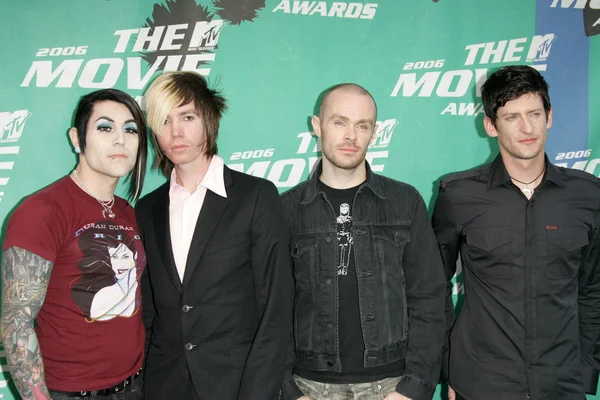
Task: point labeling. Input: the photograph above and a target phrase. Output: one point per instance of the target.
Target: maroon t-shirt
(90, 327)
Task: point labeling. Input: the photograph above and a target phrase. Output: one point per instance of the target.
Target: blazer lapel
(162, 230)
(210, 214)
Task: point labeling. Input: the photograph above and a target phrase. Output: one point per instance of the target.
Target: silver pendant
(110, 213)
(528, 192)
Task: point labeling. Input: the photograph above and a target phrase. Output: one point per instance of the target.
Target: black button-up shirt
(530, 323)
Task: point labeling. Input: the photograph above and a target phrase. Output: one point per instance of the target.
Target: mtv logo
(383, 135)
(206, 34)
(540, 47)
(13, 124)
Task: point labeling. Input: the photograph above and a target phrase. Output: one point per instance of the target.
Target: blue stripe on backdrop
(568, 76)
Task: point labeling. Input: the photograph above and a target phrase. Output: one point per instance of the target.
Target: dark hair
(510, 83)
(175, 89)
(352, 87)
(84, 110)
(97, 271)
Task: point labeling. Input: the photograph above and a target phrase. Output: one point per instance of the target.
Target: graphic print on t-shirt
(108, 285)
(344, 238)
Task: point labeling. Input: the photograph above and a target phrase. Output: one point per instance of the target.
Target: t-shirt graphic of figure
(119, 298)
(108, 286)
(344, 238)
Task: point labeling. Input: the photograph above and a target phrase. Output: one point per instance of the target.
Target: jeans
(349, 391)
(132, 392)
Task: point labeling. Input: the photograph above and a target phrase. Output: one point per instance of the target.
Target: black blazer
(226, 326)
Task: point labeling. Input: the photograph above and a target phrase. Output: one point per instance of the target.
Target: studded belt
(118, 388)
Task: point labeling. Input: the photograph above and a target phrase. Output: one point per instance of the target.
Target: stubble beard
(527, 155)
(517, 154)
(346, 164)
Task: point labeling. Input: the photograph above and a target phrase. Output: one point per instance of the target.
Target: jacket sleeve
(263, 372)
(448, 238)
(424, 282)
(589, 310)
(148, 309)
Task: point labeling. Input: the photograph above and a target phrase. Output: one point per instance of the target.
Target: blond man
(217, 305)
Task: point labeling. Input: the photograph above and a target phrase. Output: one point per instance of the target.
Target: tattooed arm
(25, 278)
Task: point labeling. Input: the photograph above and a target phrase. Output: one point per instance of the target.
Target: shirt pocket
(488, 252)
(389, 246)
(565, 249)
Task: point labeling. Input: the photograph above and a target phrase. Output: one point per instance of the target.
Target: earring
(77, 149)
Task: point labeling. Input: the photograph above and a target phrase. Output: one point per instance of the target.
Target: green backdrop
(423, 61)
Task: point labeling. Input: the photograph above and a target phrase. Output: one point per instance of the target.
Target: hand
(396, 396)
(451, 393)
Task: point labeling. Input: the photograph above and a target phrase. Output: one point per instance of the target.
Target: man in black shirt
(528, 237)
(369, 304)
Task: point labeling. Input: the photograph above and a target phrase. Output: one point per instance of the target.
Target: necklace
(106, 205)
(526, 189)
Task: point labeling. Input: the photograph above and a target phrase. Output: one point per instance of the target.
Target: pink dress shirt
(184, 209)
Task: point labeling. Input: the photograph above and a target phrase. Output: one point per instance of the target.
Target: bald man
(369, 298)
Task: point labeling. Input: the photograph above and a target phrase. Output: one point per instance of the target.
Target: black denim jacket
(401, 281)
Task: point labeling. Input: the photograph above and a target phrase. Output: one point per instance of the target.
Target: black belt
(118, 388)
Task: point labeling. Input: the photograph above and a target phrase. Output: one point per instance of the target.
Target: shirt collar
(499, 175)
(314, 187)
(213, 179)
(554, 174)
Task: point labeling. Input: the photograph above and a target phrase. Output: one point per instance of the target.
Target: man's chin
(530, 156)
(523, 155)
(346, 164)
(349, 165)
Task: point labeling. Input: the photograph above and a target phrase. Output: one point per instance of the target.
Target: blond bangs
(160, 98)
